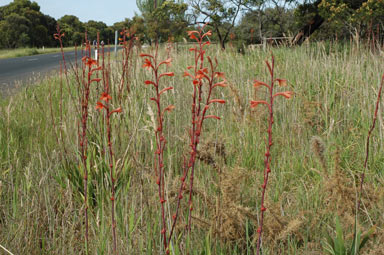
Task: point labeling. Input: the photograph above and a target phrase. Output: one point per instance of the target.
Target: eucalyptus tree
(221, 15)
(164, 19)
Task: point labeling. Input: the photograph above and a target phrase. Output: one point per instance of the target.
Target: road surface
(15, 72)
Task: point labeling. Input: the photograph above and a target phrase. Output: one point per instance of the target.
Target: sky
(109, 11)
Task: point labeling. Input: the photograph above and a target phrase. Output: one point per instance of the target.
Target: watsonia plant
(362, 177)
(205, 78)
(105, 104)
(90, 67)
(151, 63)
(269, 102)
(88, 77)
(127, 42)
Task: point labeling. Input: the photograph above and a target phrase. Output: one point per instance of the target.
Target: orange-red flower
(192, 35)
(260, 83)
(166, 74)
(167, 62)
(220, 75)
(256, 103)
(147, 63)
(169, 108)
(118, 110)
(220, 101)
(105, 97)
(165, 89)
(99, 106)
(286, 94)
(282, 82)
(89, 61)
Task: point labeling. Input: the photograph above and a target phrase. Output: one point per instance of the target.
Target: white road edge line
(33, 59)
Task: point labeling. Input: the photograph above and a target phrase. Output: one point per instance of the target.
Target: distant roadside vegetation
(235, 22)
(20, 52)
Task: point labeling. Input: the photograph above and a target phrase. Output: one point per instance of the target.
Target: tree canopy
(22, 24)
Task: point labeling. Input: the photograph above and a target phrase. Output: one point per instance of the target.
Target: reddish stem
(368, 141)
(198, 115)
(267, 160)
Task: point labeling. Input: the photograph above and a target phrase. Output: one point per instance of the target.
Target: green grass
(41, 209)
(22, 52)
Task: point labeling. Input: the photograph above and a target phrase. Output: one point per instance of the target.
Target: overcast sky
(109, 12)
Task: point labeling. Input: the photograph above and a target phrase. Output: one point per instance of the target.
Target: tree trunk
(221, 39)
(308, 29)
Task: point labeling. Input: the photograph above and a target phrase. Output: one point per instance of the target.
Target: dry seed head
(318, 148)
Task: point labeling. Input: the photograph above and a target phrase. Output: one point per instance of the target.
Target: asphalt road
(15, 72)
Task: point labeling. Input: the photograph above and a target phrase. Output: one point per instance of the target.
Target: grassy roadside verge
(319, 150)
(22, 52)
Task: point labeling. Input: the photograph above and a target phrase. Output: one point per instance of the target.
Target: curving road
(25, 70)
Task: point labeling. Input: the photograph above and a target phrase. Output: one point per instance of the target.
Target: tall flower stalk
(151, 63)
(89, 67)
(267, 159)
(127, 42)
(104, 103)
(362, 177)
(204, 79)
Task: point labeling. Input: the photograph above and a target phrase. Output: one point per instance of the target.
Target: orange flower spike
(105, 97)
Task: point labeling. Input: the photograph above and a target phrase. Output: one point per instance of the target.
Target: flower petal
(282, 82)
